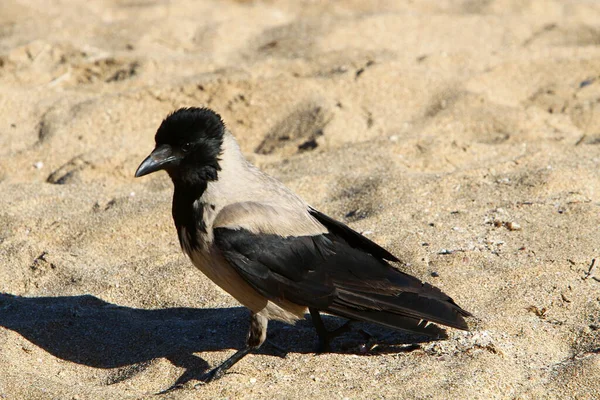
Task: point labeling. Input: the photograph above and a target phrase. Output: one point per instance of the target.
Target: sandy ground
(462, 135)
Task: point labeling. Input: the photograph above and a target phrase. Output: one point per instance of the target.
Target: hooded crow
(273, 252)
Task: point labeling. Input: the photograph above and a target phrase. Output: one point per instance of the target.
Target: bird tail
(406, 311)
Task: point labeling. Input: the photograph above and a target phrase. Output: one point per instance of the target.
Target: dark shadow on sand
(87, 330)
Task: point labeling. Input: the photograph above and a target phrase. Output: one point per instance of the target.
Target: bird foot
(176, 386)
(218, 372)
(324, 345)
(211, 376)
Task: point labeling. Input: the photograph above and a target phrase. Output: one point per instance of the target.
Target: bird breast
(212, 264)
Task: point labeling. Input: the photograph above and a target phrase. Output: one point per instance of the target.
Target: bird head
(188, 145)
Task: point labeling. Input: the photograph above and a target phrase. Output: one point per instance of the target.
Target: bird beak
(160, 158)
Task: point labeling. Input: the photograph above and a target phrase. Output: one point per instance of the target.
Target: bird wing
(327, 272)
(352, 237)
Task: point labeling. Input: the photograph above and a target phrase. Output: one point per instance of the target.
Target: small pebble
(253, 380)
(512, 226)
(38, 165)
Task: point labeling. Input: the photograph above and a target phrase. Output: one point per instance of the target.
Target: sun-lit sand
(464, 136)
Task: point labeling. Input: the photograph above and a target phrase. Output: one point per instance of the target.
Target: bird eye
(186, 147)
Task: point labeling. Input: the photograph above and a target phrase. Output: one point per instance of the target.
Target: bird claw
(324, 340)
(214, 375)
(176, 386)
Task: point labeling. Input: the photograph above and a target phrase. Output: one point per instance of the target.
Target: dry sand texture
(462, 135)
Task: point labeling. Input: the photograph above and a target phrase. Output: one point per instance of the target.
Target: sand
(464, 136)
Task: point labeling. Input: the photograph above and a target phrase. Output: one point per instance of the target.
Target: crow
(274, 253)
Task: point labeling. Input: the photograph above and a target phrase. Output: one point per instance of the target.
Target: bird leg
(256, 336)
(324, 336)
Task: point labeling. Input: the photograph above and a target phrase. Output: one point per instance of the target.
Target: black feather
(327, 273)
(196, 136)
(352, 237)
(192, 125)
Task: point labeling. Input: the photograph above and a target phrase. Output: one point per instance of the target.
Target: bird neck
(188, 215)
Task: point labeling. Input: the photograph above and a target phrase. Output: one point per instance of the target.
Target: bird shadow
(89, 331)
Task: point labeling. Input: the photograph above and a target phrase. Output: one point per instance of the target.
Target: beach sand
(464, 136)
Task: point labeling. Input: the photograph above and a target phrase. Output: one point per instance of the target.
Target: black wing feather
(352, 237)
(327, 273)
